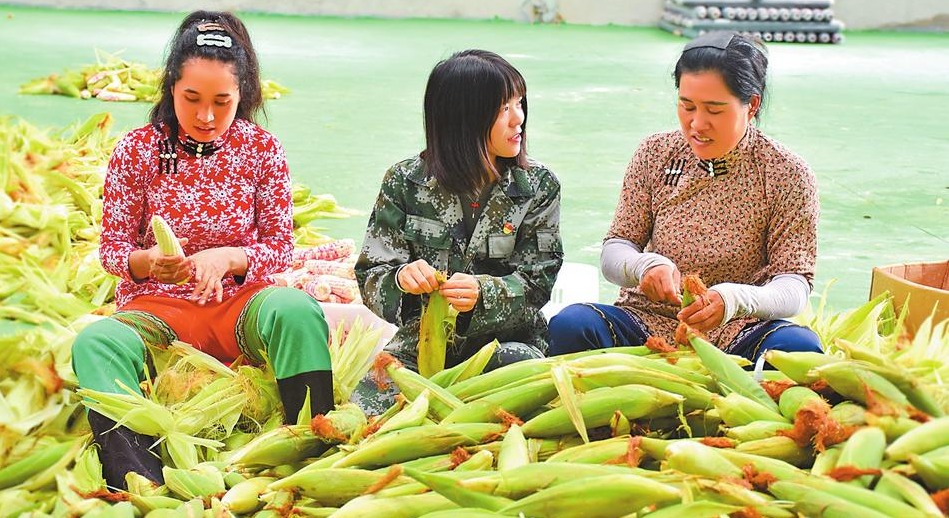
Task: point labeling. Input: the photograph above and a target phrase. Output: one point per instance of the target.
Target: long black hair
(743, 64)
(240, 54)
(462, 100)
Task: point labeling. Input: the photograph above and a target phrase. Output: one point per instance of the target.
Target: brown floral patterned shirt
(743, 218)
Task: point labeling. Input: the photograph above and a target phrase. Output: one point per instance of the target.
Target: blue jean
(579, 327)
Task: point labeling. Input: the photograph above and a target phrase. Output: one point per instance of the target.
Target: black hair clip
(715, 39)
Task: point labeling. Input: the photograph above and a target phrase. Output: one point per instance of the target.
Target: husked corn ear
(605, 496)
(165, 237)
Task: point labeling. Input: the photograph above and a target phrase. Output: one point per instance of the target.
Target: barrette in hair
(214, 40)
(715, 39)
(210, 26)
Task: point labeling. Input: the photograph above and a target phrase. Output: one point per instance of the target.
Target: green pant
(286, 323)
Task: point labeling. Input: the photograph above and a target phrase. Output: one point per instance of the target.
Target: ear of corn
(826, 461)
(798, 365)
(500, 377)
(457, 493)
(595, 497)
(514, 452)
(729, 376)
(697, 509)
(778, 448)
(597, 407)
(467, 369)
(436, 331)
(756, 430)
(408, 506)
(596, 452)
(411, 415)
(793, 398)
(193, 483)
(244, 497)
(737, 410)
(863, 450)
(39, 461)
(517, 400)
(864, 497)
(165, 237)
(413, 443)
(697, 459)
(332, 486)
(911, 492)
(817, 503)
(411, 384)
(928, 437)
(934, 471)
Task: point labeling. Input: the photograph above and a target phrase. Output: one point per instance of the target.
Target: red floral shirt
(238, 196)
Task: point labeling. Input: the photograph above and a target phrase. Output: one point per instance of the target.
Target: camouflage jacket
(515, 252)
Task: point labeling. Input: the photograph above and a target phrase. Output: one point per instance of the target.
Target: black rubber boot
(121, 450)
(293, 393)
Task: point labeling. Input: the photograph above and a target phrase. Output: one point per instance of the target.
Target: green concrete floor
(869, 115)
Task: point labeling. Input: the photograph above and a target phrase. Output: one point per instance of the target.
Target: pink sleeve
(123, 207)
(274, 206)
(633, 219)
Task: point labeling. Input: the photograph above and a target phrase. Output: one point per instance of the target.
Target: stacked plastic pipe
(809, 21)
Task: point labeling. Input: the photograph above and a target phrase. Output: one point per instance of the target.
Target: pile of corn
(112, 78)
(628, 431)
(325, 272)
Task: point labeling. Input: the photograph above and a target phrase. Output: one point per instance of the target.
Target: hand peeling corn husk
(859, 430)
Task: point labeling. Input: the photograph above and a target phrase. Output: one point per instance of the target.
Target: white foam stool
(576, 282)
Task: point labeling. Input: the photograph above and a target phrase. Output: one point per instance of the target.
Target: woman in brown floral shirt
(716, 198)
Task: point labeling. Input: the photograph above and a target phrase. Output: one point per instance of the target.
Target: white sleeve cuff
(782, 297)
(624, 264)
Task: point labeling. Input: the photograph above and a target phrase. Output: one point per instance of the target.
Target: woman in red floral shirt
(222, 184)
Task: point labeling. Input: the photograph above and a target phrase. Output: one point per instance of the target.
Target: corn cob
(332, 251)
(793, 398)
(798, 365)
(467, 369)
(911, 492)
(436, 331)
(412, 443)
(543, 449)
(37, 462)
(457, 493)
(331, 268)
(596, 452)
(696, 396)
(849, 414)
(756, 430)
(461, 512)
(526, 480)
(411, 384)
(410, 416)
(778, 468)
(318, 289)
(192, 483)
(928, 437)
(778, 448)
(334, 487)
(148, 504)
(729, 376)
(517, 400)
(864, 497)
(345, 289)
(595, 497)
(643, 362)
(597, 407)
(826, 461)
(500, 377)
(697, 459)
(816, 503)
(851, 380)
(514, 452)
(244, 497)
(408, 506)
(863, 450)
(738, 410)
(697, 509)
(893, 426)
(165, 237)
(933, 471)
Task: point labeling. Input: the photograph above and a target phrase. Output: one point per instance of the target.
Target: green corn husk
(864, 497)
(514, 451)
(816, 503)
(863, 450)
(729, 376)
(779, 448)
(756, 430)
(826, 461)
(697, 509)
(410, 416)
(595, 497)
(732, 493)
(793, 399)
(436, 332)
(927, 437)
(697, 459)
(596, 452)
(934, 471)
(597, 407)
(911, 492)
(193, 483)
(461, 512)
(697, 397)
(411, 384)
(457, 493)
(408, 506)
(334, 486)
(413, 443)
(467, 369)
(738, 410)
(517, 400)
(500, 377)
(798, 365)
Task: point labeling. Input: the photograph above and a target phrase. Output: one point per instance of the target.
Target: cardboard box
(926, 285)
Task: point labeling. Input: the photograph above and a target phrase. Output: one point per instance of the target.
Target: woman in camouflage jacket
(471, 205)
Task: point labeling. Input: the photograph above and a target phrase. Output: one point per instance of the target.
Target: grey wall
(856, 14)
